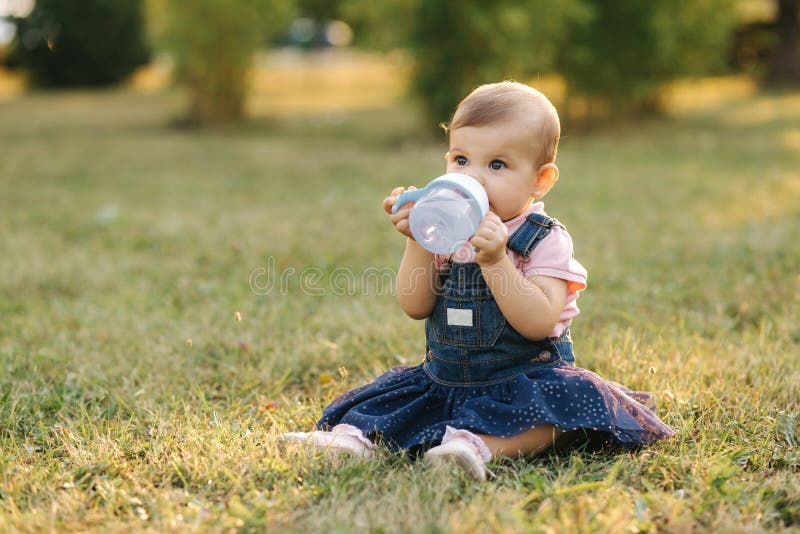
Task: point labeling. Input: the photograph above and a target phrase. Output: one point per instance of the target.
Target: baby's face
(499, 156)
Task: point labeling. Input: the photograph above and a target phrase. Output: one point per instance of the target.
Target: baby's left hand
(490, 240)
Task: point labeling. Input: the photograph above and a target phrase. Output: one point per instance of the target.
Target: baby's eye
(497, 165)
(461, 160)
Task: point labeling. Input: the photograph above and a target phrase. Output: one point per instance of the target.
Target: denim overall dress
(481, 375)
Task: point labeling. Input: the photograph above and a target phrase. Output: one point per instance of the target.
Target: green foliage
(624, 51)
(380, 25)
(616, 52)
(80, 42)
(213, 42)
(458, 44)
(318, 9)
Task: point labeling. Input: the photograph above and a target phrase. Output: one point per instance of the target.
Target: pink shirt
(552, 257)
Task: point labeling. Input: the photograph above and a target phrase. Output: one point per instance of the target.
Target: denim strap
(534, 228)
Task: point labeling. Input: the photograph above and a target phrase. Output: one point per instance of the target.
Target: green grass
(121, 239)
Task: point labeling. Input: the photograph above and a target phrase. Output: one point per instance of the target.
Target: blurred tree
(80, 42)
(620, 55)
(458, 44)
(483, 42)
(615, 54)
(319, 9)
(785, 65)
(380, 25)
(212, 42)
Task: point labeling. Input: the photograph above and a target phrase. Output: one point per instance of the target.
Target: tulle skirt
(406, 409)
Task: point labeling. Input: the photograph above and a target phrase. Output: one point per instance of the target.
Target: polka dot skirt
(406, 409)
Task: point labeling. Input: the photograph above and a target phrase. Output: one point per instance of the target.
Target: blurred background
(238, 59)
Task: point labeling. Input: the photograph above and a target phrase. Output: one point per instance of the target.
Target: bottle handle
(406, 197)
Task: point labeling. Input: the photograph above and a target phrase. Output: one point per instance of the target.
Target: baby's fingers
(390, 201)
(486, 229)
(492, 216)
(400, 221)
(401, 214)
(479, 242)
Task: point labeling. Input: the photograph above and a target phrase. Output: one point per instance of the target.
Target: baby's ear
(546, 177)
(447, 155)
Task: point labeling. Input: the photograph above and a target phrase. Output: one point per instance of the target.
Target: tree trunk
(785, 65)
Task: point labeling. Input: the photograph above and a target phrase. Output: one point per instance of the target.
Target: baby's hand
(490, 240)
(400, 218)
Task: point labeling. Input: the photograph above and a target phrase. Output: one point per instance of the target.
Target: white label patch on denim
(458, 317)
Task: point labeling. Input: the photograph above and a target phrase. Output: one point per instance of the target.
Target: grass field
(132, 399)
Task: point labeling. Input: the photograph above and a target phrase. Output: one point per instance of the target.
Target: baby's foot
(464, 449)
(341, 440)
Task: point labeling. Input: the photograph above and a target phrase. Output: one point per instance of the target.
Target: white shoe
(341, 440)
(463, 448)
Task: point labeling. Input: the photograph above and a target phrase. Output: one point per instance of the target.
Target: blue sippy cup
(446, 212)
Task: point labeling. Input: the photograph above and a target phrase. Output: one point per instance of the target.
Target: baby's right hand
(400, 218)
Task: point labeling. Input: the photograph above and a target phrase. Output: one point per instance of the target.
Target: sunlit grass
(333, 80)
(292, 81)
(12, 84)
(121, 238)
(695, 94)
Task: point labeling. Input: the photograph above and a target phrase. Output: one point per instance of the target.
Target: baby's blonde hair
(504, 101)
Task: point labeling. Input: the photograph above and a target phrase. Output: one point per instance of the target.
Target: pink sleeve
(553, 257)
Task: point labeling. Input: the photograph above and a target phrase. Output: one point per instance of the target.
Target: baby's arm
(532, 305)
(416, 277)
(416, 281)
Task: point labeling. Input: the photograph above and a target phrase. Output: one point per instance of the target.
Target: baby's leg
(529, 443)
(472, 451)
